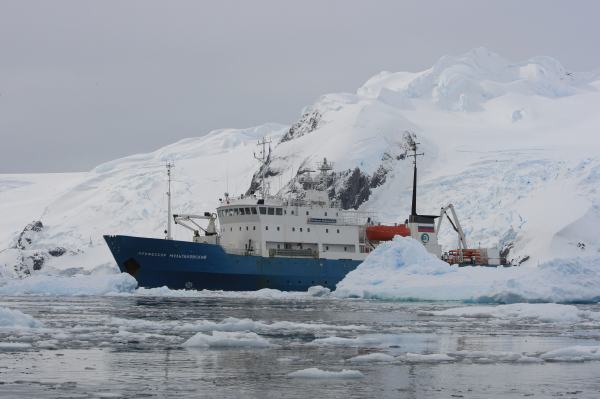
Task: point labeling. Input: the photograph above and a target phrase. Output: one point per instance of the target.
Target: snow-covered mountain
(514, 146)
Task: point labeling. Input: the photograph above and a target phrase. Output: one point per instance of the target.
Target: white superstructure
(273, 226)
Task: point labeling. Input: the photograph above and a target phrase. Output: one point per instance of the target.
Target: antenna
(263, 158)
(414, 155)
(169, 166)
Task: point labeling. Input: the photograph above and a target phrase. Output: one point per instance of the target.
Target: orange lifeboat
(386, 233)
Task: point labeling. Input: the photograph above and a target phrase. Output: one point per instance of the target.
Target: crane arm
(455, 223)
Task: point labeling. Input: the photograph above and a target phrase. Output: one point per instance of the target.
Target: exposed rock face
(255, 184)
(25, 238)
(350, 187)
(308, 123)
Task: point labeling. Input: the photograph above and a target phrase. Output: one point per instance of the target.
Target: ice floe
(428, 358)
(317, 373)
(544, 312)
(372, 358)
(402, 269)
(77, 285)
(223, 339)
(12, 346)
(230, 324)
(573, 354)
(15, 319)
(366, 340)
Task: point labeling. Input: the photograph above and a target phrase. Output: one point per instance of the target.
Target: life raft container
(386, 233)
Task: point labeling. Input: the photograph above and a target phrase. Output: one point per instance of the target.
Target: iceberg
(403, 270)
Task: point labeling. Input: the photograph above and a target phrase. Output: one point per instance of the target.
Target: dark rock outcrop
(308, 123)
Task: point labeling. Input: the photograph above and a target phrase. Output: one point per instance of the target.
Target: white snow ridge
(513, 145)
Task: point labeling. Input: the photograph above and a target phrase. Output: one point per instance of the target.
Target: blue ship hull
(182, 264)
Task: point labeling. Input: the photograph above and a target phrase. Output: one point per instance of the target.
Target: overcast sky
(83, 82)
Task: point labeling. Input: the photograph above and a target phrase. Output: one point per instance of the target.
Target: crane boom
(462, 241)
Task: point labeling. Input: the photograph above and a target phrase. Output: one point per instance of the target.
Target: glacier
(513, 146)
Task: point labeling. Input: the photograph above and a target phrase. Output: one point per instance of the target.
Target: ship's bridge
(309, 227)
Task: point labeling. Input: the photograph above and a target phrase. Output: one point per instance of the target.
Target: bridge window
(300, 229)
(278, 211)
(247, 211)
(242, 211)
(326, 247)
(306, 213)
(253, 227)
(277, 228)
(253, 211)
(325, 213)
(246, 228)
(263, 210)
(231, 212)
(344, 249)
(308, 229)
(266, 227)
(338, 230)
(293, 229)
(240, 228)
(271, 211)
(292, 212)
(231, 229)
(326, 230)
(236, 211)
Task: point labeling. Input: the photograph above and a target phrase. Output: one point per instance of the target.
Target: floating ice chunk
(10, 346)
(14, 319)
(318, 291)
(230, 324)
(72, 286)
(223, 339)
(429, 358)
(265, 293)
(545, 312)
(367, 341)
(573, 354)
(372, 358)
(317, 373)
(494, 356)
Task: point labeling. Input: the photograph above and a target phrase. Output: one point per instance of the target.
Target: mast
(263, 157)
(413, 148)
(169, 211)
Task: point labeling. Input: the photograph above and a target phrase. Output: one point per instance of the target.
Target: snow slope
(513, 146)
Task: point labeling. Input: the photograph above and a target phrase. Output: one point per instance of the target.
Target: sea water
(248, 346)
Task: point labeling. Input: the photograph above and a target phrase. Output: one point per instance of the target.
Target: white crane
(462, 241)
(187, 221)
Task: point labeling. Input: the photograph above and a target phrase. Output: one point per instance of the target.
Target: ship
(261, 241)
